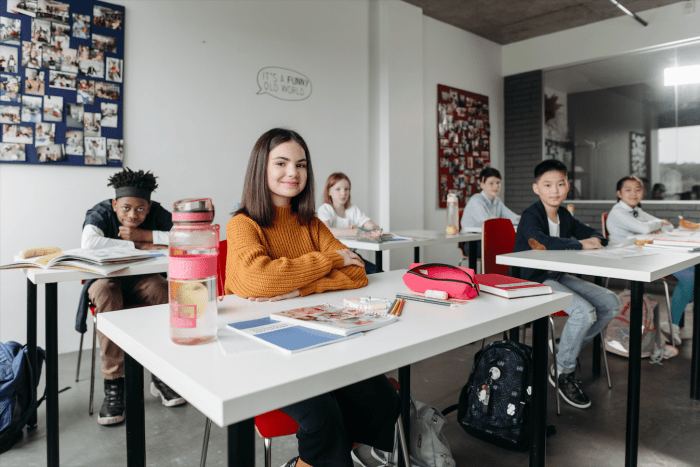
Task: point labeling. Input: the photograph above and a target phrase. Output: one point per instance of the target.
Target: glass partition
(616, 117)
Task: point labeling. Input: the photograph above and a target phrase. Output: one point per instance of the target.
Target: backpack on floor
(18, 384)
(617, 334)
(494, 406)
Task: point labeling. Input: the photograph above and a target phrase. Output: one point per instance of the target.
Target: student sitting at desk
(627, 218)
(547, 226)
(342, 217)
(131, 219)
(486, 204)
(278, 249)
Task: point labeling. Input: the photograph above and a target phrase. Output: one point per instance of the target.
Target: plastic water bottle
(452, 214)
(192, 288)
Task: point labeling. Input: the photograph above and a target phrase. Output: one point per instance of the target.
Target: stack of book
(681, 244)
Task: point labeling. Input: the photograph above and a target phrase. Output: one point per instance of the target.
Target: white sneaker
(676, 332)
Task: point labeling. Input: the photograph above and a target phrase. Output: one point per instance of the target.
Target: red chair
(274, 423)
(497, 238)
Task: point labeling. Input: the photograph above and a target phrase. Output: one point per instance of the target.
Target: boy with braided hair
(132, 220)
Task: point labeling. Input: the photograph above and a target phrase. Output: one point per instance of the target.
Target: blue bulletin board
(61, 82)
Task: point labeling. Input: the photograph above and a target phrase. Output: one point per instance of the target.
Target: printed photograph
(109, 114)
(60, 35)
(34, 82)
(45, 134)
(92, 123)
(10, 31)
(107, 90)
(9, 114)
(31, 54)
(74, 143)
(91, 62)
(51, 153)
(62, 79)
(114, 69)
(69, 60)
(53, 108)
(95, 151)
(86, 91)
(52, 57)
(81, 28)
(12, 152)
(9, 57)
(115, 149)
(104, 43)
(41, 31)
(53, 10)
(17, 134)
(23, 7)
(10, 88)
(74, 115)
(103, 16)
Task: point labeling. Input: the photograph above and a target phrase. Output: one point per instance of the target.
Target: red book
(510, 287)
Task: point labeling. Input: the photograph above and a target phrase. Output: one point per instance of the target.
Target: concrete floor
(668, 436)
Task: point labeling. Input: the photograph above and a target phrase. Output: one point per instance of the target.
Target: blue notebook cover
(285, 336)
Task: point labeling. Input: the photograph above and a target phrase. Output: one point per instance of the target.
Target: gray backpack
(427, 447)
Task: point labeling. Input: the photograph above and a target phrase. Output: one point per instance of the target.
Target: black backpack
(18, 384)
(494, 406)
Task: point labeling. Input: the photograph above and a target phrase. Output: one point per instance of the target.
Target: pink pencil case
(457, 282)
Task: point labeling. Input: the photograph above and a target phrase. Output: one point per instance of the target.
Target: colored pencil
(403, 302)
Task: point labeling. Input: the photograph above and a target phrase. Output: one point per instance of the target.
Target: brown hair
(332, 180)
(256, 201)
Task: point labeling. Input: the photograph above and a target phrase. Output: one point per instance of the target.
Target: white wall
(600, 40)
(462, 60)
(191, 115)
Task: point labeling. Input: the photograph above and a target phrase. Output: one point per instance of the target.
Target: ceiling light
(682, 75)
(629, 13)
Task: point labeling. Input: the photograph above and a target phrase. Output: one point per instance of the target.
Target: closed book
(678, 241)
(678, 247)
(334, 319)
(286, 337)
(510, 287)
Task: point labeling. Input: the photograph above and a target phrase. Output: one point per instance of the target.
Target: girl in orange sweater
(278, 249)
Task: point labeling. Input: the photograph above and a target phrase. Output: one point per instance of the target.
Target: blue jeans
(683, 293)
(593, 308)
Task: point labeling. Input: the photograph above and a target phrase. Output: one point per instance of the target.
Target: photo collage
(61, 75)
(463, 142)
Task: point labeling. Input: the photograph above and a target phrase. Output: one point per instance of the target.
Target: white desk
(637, 269)
(50, 279)
(231, 390)
(436, 238)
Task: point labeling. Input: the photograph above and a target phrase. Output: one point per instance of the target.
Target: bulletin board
(61, 75)
(463, 142)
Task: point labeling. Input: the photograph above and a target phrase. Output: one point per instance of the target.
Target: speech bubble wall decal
(283, 83)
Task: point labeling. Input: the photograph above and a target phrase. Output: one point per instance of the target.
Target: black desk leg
(695, 364)
(241, 444)
(51, 291)
(472, 255)
(538, 409)
(405, 397)
(378, 260)
(515, 334)
(597, 340)
(416, 254)
(634, 377)
(31, 334)
(135, 414)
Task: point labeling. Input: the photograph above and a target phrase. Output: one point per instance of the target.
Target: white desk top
(235, 387)
(51, 276)
(637, 268)
(437, 238)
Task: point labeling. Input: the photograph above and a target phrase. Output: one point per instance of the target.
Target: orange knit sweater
(266, 262)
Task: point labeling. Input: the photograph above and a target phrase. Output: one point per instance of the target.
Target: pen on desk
(393, 304)
(403, 302)
(434, 301)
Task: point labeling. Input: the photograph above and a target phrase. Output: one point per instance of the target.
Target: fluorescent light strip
(682, 75)
(629, 13)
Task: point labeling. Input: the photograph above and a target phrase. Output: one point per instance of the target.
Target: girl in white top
(486, 204)
(341, 217)
(626, 219)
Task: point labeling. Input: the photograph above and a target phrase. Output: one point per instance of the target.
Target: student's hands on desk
(149, 246)
(135, 234)
(592, 243)
(284, 296)
(350, 258)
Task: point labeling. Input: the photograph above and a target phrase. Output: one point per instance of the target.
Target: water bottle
(452, 214)
(194, 248)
